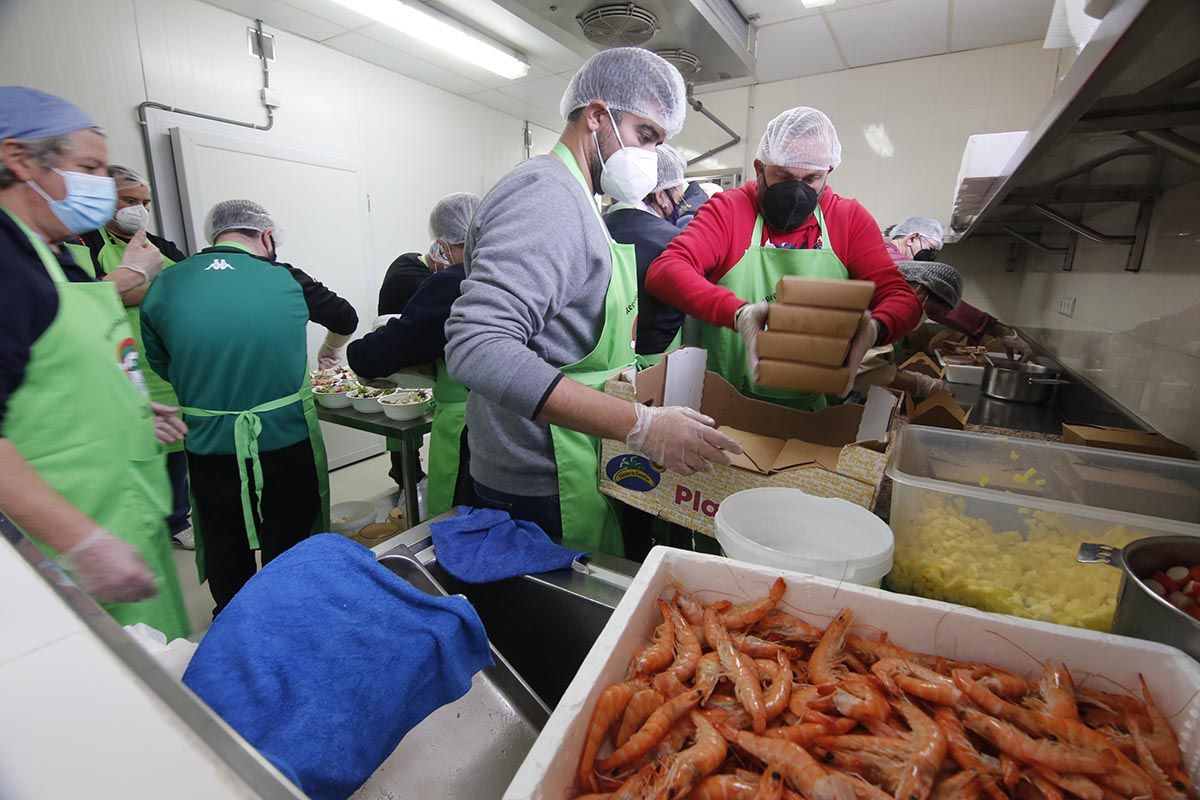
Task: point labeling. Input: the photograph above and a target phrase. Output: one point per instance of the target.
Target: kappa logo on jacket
(220, 263)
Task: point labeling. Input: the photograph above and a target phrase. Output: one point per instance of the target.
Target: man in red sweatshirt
(723, 268)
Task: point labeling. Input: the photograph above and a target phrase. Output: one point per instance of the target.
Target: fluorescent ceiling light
(816, 3)
(442, 33)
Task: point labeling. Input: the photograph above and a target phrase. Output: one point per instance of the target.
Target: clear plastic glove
(109, 569)
(864, 339)
(679, 438)
(332, 352)
(750, 320)
(168, 427)
(1016, 347)
(142, 256)
(927, 385)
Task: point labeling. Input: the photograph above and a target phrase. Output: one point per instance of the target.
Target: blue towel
(481, 545)
(325, 660)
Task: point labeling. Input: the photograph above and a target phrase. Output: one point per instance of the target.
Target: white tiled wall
(1135, 335)
(925, 108)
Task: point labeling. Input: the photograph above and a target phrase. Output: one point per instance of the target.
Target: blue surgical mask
(89, 204)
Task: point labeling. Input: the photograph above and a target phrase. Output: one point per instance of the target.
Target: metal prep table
(410, 434)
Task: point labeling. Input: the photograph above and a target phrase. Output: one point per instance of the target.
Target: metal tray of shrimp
(1096, 661)
(470, 748)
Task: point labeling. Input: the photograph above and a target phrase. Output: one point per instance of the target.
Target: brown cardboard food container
(1128, 488)
(919, 362)
(825, 351)
(836, 452)
(803, 377)
(939, 410)
(819, 321)
(1132, 441)
(824, 293)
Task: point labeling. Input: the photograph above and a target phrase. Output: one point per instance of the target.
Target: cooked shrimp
(1077, 785)
(652, 732)
(863, 790)
(891, 746)
(739, 667)
(1049, 790)
(1010, 772)
(1061, 757)
(856, 697)
(963, 752)
(690, 766)
(753, 646)
(687, 646)
(824, 666)
(609, 707)
(962, 786)
(775, 698)
(639, 709)
(807, 733)
(1160, 739)
(1001, 681)
(883, 770)
(744, 615)
(668, 685)
(708, 672)
(785, 627)
(928, 752)
(879, 649)
(674, 741)
(799, 768)
(996, 706)
(1058, 692)
(634, 788)
(724, 787)
(1162, 784)
(655, 656)
(770, 787)
(898, 675)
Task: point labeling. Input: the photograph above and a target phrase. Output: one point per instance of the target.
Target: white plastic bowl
(365, 405)
(788, 529)
(333, 400)
(404, 411)
(354, 515)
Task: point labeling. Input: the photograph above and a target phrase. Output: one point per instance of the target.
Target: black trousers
(290, 504)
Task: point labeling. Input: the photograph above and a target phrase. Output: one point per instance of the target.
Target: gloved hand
(864, 339)
(332, 352)
(109, 569)
(750, 320)
(168, 427)
(142, 256)
(679, 438)
(927, 385)
(1016, 347)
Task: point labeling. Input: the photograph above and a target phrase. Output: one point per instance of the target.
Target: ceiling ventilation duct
(619, 25)
(686, 62)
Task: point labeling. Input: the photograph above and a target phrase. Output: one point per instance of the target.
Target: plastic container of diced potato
(995, 522)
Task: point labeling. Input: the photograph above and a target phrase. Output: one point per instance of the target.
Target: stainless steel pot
(1019, 381)
(1140, 612)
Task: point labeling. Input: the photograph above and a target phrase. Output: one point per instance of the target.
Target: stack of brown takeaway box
(809, 329)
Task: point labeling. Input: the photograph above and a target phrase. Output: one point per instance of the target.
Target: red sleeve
(862, 251)
(966, 318)
(685, 275)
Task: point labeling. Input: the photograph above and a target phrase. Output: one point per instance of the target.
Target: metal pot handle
(1092, 553)
(1048, 381)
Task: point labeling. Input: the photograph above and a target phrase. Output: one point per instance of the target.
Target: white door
(318, 199)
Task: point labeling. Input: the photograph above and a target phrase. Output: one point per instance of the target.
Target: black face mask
(785, 205)
(928, 254)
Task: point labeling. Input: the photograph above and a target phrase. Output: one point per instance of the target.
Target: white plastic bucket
(788, 529)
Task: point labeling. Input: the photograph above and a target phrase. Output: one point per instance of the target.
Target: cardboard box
(819, 321)
(939, 410)
(837, 452)
(824, 293)
(803, 377)
(1097, 660)
(919, 362)
(826, 351)
(1132, 441)
(1130, 489)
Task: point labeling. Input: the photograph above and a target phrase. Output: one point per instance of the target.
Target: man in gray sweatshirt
(548, 306)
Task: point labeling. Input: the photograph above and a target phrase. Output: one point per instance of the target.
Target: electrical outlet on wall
(1066, 306)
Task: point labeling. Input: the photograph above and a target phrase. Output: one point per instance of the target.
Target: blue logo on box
(630, 471)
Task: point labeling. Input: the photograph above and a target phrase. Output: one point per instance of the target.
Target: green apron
(588, 521)
(645, 360)
(445, 440)
(753, 279)
(110, 259)
(106, 461)
(246, 429)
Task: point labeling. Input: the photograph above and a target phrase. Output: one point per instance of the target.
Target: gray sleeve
(527, 238)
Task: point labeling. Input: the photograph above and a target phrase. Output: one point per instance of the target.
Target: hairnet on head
(942, 280)
(630, 79)
(802, 138)
(229, 215)
(452, 215)
(29, 114)
(671, 167)
(927, 227)
(125, 177)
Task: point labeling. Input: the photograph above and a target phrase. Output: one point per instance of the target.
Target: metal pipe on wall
(1170, 143)
(1083, 230)
(735, 137)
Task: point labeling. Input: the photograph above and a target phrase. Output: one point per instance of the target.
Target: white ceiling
(792, 41)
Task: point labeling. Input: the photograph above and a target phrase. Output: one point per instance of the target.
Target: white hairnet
(671, 167)
(125, 177)
(451, 216)
(942, 280)
(929, 228)
(630, 79)
(229, 215)
(802, 138)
